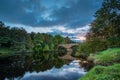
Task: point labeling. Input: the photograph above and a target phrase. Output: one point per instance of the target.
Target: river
(46, 67)
(71, 71)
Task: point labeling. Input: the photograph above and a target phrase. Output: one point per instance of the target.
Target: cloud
(49, 13)
(65, 17)
(74, 34)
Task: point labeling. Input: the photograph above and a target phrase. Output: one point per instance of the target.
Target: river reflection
(47, 67)
(72, 71)
(18, 65)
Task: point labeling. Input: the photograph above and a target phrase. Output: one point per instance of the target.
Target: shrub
(93, 47)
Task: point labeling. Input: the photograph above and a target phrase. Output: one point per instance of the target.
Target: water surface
(72, 71)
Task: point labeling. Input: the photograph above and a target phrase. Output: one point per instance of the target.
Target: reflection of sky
(67, 72)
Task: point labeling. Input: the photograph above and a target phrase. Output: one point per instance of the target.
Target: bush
(91, 47)
(91, 57)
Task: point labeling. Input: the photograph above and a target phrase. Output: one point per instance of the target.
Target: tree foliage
(19, 40)
(106, 25)
(105, 29)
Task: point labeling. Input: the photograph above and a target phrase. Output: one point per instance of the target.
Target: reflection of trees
(61, 51)
(16, 66)
(47, 64)
(74, 50)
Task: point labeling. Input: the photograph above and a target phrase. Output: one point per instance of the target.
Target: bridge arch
(69, 51)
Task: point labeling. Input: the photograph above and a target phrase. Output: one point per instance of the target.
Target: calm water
(72, 71)
(45, 67)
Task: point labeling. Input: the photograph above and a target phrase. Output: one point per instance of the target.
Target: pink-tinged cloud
(82, 38)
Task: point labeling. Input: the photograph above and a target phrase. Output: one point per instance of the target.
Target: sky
(65, 17)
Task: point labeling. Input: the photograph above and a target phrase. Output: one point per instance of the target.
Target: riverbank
(106, 65)
(103, 73)
(87, 65)
(107, 59)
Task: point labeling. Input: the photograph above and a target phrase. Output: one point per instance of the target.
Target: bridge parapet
(67, 46)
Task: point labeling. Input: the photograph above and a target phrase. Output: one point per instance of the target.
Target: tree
(19, 37)
(58, 39)
(106, 25)
(68, 40)
(105, 29)
(52, 46)
(5, 40)
(46, 48)
(29, 42)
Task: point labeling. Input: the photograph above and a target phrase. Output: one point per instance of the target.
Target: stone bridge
(68, 46)
(69, 51)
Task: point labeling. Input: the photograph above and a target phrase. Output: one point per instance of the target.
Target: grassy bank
(107, 65)
(106, 57)
(103, 73)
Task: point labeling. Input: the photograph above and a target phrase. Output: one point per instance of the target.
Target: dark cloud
(47, 13)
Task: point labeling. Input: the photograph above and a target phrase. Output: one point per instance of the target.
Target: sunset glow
(82, 38)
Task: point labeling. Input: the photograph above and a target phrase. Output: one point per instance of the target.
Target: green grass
(105, 58)
(5, 52)
(108, 57)
(103, 73)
